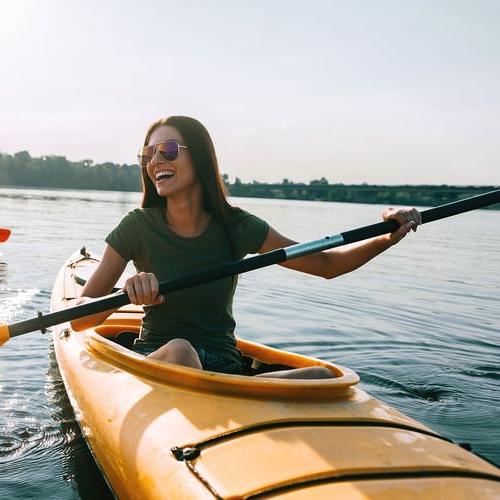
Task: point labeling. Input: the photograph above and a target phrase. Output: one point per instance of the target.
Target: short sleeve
(250, 232)
(124, 237)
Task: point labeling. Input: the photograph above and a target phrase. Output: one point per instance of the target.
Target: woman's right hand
(408, 218)
(143, 289)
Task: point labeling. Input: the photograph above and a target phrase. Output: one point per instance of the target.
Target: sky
(382, 92)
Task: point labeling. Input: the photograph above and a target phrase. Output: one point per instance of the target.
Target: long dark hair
(201, 148)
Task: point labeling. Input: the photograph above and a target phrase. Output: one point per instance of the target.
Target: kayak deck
(160, 430)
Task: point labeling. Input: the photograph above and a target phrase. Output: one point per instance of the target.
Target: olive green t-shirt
(203, 315)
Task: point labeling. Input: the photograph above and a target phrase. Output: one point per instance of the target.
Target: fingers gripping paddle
(242, 266)
(4, 234)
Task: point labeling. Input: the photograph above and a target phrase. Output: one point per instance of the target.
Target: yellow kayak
(163, 431)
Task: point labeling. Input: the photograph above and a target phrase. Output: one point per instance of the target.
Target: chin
(163, 190)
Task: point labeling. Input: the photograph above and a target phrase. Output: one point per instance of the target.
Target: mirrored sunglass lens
(169, 150)
(144, 156)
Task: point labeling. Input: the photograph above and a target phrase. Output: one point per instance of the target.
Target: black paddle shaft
(430, 215)
(42, 322)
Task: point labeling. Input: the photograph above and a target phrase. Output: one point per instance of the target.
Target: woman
(185, 225)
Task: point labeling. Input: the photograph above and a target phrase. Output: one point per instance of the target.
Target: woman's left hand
(408, 218)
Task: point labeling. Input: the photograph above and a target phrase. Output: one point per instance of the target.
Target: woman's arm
(100, 283)
(141, 288)
(331, 263)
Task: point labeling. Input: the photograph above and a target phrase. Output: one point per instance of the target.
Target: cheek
(192, 174)
(190, 171)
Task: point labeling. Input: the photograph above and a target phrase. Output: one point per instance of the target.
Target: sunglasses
(169, 151)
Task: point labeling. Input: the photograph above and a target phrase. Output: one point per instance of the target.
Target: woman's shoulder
(237, 215)
(242, 220)
(137, 217)
(143, 213)
(249, 230)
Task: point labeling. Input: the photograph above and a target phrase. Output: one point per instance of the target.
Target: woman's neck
(186, 217)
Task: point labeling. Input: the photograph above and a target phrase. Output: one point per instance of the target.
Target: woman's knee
(178, 351)
(179, 346)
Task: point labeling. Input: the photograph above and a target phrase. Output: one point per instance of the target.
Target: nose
(157, 157)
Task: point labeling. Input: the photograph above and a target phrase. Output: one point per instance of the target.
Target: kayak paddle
(42, 322)
(4, 234)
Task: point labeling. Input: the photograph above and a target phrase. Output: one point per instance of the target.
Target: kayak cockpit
(112, 340)
(253, 364)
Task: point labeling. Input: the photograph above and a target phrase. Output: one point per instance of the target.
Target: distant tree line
(21, 169)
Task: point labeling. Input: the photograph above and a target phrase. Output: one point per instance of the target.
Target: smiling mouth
(164, 174)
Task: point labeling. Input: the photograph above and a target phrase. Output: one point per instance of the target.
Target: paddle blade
(4, 234)
(4, 334)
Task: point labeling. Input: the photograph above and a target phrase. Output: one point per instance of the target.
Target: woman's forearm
(80, 324)
(346, 259)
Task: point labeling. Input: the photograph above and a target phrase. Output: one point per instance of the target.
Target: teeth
(163, 173)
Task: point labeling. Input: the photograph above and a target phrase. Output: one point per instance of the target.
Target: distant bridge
(424, 195)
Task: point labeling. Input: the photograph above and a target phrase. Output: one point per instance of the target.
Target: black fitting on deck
(42, 327)
(185, 454)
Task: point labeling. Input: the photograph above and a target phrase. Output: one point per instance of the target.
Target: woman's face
(172, 177)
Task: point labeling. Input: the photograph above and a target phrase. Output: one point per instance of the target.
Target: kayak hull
(158, 430)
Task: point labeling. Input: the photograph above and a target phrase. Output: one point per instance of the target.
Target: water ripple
(24, 440)
(14, 303)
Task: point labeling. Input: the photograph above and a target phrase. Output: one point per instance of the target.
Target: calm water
(420, 324)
